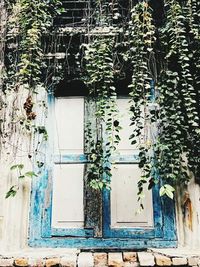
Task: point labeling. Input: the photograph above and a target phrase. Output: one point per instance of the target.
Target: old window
(70, 213)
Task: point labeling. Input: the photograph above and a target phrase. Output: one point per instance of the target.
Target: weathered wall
(15, 148)
(14, 214)
(188, 215)
(3, 20)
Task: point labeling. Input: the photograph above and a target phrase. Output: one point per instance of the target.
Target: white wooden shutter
(69, 125)
(67, 202)
(68, 196)
(124, 204)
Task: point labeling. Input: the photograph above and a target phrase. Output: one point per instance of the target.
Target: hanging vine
(142, 39)
(164, 60)
(103, 137)
(178, 141)
(27, 22)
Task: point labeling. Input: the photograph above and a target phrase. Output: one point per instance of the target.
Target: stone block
(131, 264)
(68, 260)
(115, 260)
(52, 262)
(85, 259)
(6, 262)
(162, 260)
(179, 261)
(33, 262)
(100, 260)
(193, 261)
(21, 262)
(146, 259)
(130, 256)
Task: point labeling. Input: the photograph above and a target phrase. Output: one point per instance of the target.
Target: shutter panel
(69, 115)
(68, 172)
(124, 204)
(75, 205)
(68, 196)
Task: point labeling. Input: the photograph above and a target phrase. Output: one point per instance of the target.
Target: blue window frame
(42, 234)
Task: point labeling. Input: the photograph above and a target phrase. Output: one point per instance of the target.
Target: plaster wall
(14, 214)
(188, 215)
(14, 211)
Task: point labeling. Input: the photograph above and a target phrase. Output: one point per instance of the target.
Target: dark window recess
(75, 13)
(72, 86)
(80, 13)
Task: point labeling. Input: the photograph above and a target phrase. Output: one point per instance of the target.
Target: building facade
(58, 208)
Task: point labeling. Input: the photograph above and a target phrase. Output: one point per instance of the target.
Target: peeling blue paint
(41, 233)
(80, 232)
(67, 159)
(95, 243)
(139, 233)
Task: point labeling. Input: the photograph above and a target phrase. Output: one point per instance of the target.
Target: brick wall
(101, 259)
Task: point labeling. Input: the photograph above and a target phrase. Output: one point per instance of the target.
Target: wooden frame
(41, 234)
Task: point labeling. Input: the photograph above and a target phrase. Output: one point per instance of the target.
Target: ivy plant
(27, 22)
(164, 62)
(104, 135)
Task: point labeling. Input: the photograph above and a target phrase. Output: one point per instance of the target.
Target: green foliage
(17, 166)
(30, 174)
(27, 24)
(12, 192)
(20, 175)
(165, 65)
(167, 190)
(99, 77)
(178, 142)
(142, 39)
(107, 13)
(164, 93)
(176, 113)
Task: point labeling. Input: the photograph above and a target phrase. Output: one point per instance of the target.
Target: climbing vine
(163, 59)
(142, 43)
(26, 24)
(178, 142)
(164, 92)
(103, 136)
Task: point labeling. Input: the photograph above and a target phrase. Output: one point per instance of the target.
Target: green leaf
(17, 166)
(13, 167)
(12, 192)
(40, 164)
(169, 187)
(133, 142)
(30, 174)
(169, 194)
(167, 190)
(117, 137)
(21, 177)
(162, 191)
